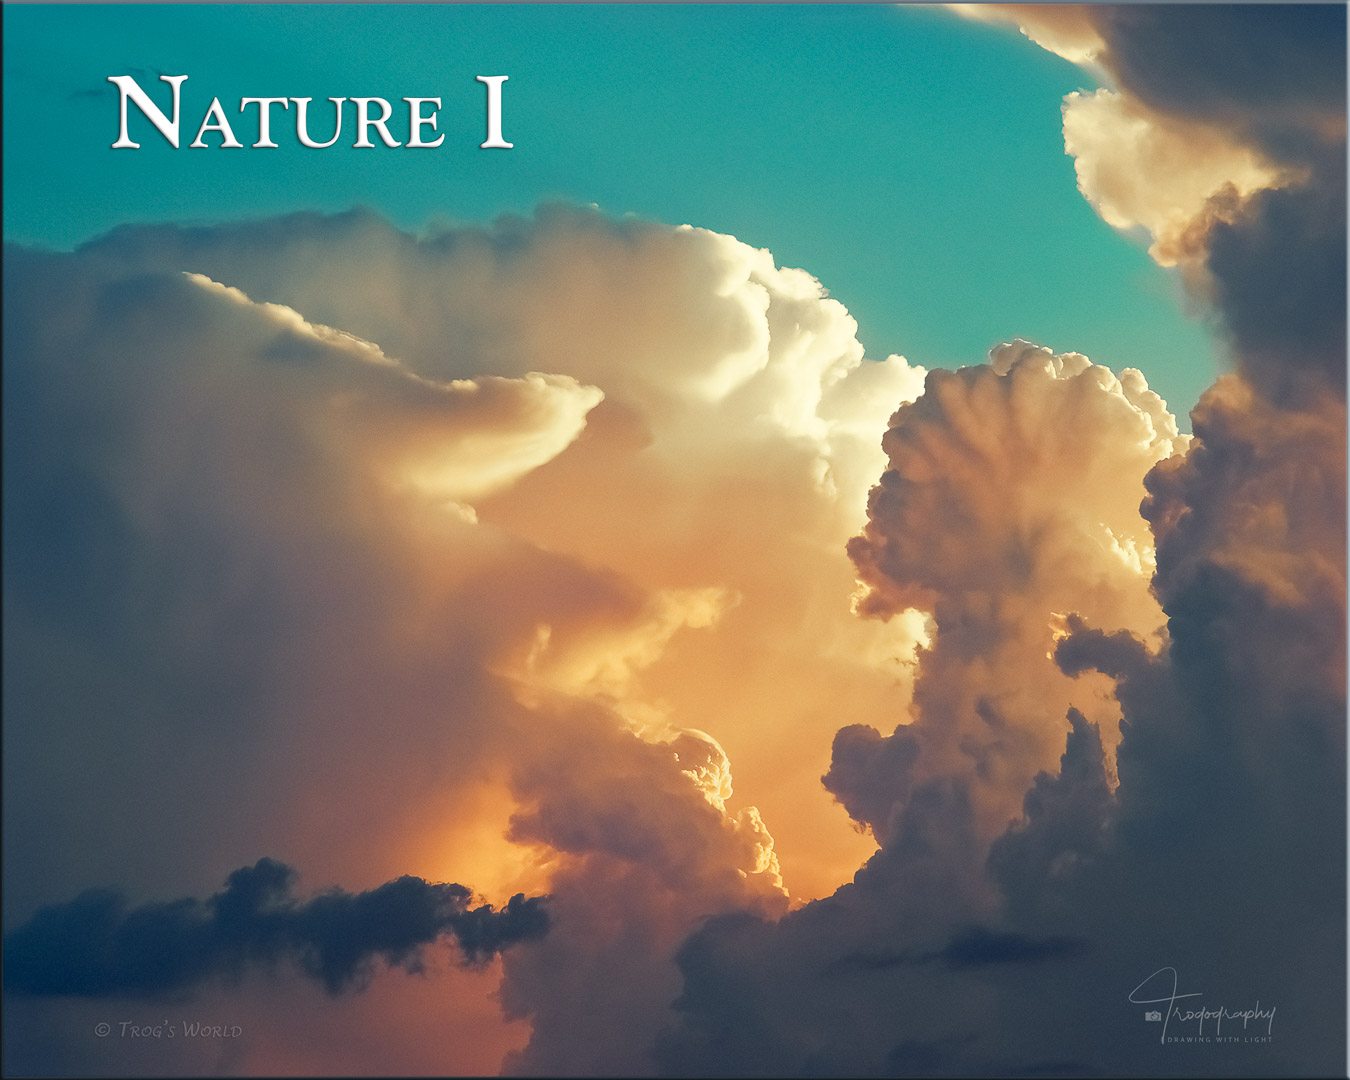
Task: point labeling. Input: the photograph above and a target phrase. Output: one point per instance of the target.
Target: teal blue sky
(911, 160)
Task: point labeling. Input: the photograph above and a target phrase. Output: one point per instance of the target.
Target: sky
(842, 138)
(827, 557)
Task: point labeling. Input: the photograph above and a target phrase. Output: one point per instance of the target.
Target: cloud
(953, 953)
(1223, 138)
(665, 317)
(1144, 169)
(649, 855)
(1010, 502)
(1011, 499)
(1272, 79)
(492, 587)
(94, 946)
(1067, 30)
(1258, 66)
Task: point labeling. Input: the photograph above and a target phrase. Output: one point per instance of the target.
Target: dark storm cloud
(97, 946)
(1240, 65)
(1272, 77)
(1279, 270)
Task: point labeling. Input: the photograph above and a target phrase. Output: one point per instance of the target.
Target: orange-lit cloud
(1141, 169)
(1066, 30)
(562, 563)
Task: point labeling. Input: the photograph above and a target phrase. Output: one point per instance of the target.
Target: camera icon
(1153, 1015)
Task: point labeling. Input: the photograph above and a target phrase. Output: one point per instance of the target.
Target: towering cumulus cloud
(484, 554)
(1011, 499)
